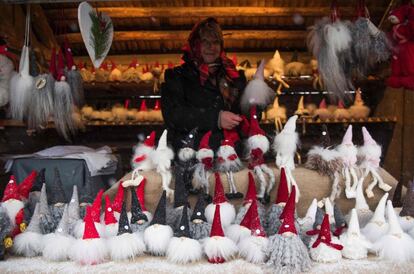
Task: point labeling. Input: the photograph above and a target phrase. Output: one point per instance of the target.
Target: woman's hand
(229, 120)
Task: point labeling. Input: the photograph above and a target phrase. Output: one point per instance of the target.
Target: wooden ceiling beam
(119, 36)
(169, 12)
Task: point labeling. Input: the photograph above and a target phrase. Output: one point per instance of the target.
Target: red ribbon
(336, 246)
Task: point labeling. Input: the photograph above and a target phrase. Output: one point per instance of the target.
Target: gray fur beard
(57, 213)
(200, 231)
(326, 168)
(261, 210)
(41, 103)
(287, 255)
(63, 105)
(47, 224)
(382, 47)
(173, 216)
(139, 228)
(76, 85)
(273, 222)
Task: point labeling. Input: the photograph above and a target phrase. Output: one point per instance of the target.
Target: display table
(311, 185)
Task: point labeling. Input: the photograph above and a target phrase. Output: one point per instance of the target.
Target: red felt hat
(90, 231)
(109, 212)
(68, 54)
(157, 105)
(113, 64)
(234, 59)
(322, 104)
(11, 191)
(254, 123)
(119, 198)
(247, 219)
(216, 228)
(282, 190)
(251, 190)
(204, 143)
(5, 51)
(290, 205)
(134, 63)
(60, 67)
(325, 235)
(96, 207)
(341, 104)
(170, 64)
(288, 224)
(219, 196)
(52, 64)
(140, 190)
(256, 227)
(230, 137)
(143, 106)
(150, 140)
(25, 186)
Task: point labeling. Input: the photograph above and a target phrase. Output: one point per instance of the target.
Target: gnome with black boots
(199, 227)
(139, 221)
(56, 197)
(228, 161)
(182, 248)
(184, 166)
(406, 217)
(5, 232)
(204, 167)
(126, 244)
(158, 234)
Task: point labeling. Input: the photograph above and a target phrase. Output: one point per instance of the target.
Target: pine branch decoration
(100, 32)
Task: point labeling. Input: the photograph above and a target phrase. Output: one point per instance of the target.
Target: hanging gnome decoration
(229, 162)
(228, 212)
(142, 159)
(89, 249)
(13, 205)
(6, 73)
(406, 217)
(182, 248)
(258, 145)
(377, 226)
(111, 224)
(199, 227)
(73, 77)
(285, 251)
(326, 249)
(369, 159)
(204, 167)
(184, 166)
(158, 234)
(217, 247)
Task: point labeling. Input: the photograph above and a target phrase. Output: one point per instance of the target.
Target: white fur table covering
(160, 265)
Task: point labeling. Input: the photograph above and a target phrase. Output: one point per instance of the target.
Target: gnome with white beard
(6, 71)
(13, 205)
(204, 167)
(142, 159)
(229, 162)
(284, 146)
(186, 160)
(377, 226)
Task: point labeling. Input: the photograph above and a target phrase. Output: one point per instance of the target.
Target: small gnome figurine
(126, 244)
(359, 110)
(341, 113)
(184, 166)
(95, 213)
(229, 162)
(13, 205)
(285, 251)
(115, 74)
(237, 232)
(228, 212)
(361, 206)
(56, 197)
(377, 226)
(140, 191)
(139, 220)
(322, 111)
(182, 248)
(204, 167)
(355, 244)
(142, 159)
(199, 227)
(307, 222)
(158, 234)
(326, 249)
(111, 224)
(217, 247)
(406, 217)
(131, 73)
(90, 249)
(311, 235)
(118, 200)
(142, 114)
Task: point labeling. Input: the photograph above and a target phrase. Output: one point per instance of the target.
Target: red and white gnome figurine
(13, 204)
(204, 167)
(143, 152)
(111, 223)
(258, 145)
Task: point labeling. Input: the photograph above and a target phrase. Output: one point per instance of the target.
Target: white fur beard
(355, 248)
(125, 246)
(20, 87)
(373, 232)
(258, 141)
(28, 244)
(184, 250)
(237, 232)
(80, 228)
(228, 165)
(256, 93)
(227, 213)
(111, 230)
(219, 247)
(57, 247)
(406, 223)
(396, 249)
(325, 254)
(253, 249)
(285, 144)
(146, 164)
(347, 153)
(370, 151)
(89, 252)
(185, 154)
(204, 153)
(157, 238)
(12, 207)
(161, 158)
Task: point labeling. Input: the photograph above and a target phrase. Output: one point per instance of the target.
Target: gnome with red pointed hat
(286, 252)
(131, 73)
(141, 159)
(142, 114)
(74, 78)
(204, 168)
(13, 204)
(258, 145)
(228, 213)
(111, 223)
(218, 247)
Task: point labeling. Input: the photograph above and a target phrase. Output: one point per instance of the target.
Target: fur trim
(367, 152)
(348, 154)
(326, 254)
(395, 248)
(219, 247)
(89, 252)
(140, 150)
(373, 231)
(284, 146)
(287, 254)
(256, 93)
(184, 250)
(111, 230)
(200, 230)
(204, 153)
(355, 246)
(227, 213)
(258, 141)
(185, 154)
(57, 247)
(237, 232)
(157, 238)
(406, 223)
(228, 165)
(28, 244)
(125, 246)
(325, 161)
(253, 249)
(162, 159)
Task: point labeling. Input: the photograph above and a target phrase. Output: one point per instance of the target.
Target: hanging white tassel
(41, 101)
(6, 73)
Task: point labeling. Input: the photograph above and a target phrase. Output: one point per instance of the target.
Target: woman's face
(210, 48)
